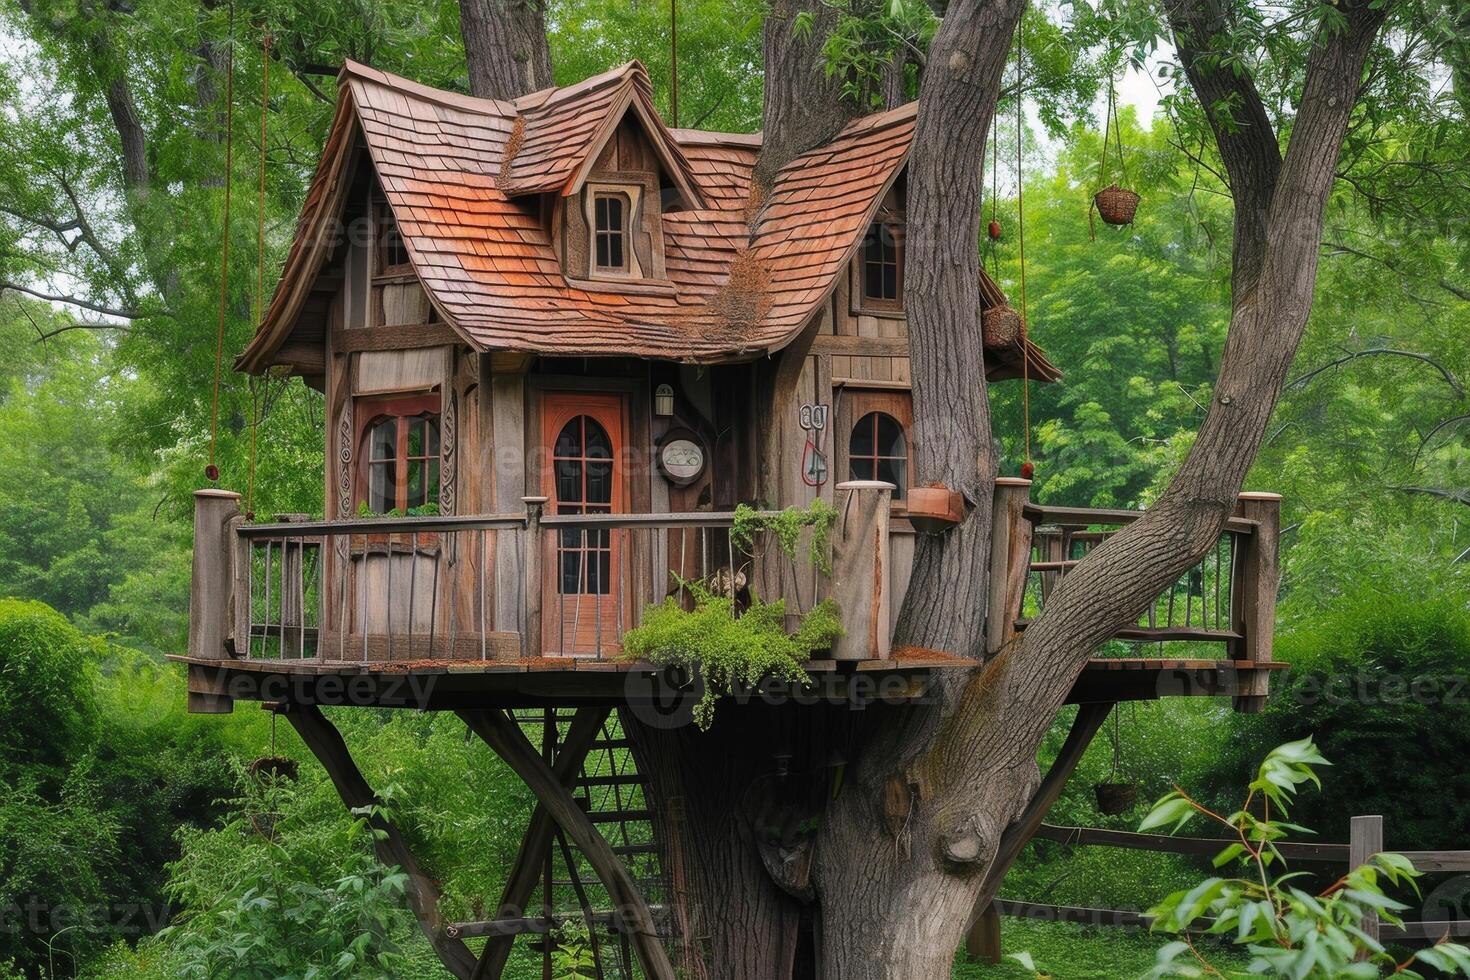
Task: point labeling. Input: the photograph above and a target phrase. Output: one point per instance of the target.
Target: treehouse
(559, 344)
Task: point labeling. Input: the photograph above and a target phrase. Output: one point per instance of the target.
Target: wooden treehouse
(559, 344)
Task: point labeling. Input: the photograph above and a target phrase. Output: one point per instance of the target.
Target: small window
(878, 451)
(392, 252)
(401, 455)
(610, 232)
(883, 264)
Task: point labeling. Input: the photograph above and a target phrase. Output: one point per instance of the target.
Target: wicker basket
(273, 767)
(1000, 327)
(1116, 205)
(1115, 798)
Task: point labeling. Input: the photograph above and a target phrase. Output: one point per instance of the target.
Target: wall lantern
(663, 401)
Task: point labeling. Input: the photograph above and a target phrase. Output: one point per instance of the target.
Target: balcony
(543, 593)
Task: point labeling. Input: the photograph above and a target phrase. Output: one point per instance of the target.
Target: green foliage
(1288, 931)
(47, 711)
(572, 958)
(277, 891)
(786, 527)
(1380, 682)
(725, 649)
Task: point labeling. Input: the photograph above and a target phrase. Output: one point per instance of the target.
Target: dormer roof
(453, 168)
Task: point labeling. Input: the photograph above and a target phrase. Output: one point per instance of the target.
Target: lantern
(663, 400)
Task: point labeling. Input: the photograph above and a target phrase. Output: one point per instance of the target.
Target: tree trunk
(505, 47)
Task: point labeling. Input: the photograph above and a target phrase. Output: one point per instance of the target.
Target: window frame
(384, 222)
(891, 223)
(631, 196)
(854, 405)
(621, 236)
(404, 410)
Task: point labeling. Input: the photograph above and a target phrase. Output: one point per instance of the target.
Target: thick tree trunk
(505, 47)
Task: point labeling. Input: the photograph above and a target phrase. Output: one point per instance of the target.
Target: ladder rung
(621, 779)
(619, 816)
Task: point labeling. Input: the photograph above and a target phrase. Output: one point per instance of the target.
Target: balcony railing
(533, 584)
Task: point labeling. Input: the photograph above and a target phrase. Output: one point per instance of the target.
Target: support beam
(510, 743)
(984, 932)
(326, 743)
(526, 870)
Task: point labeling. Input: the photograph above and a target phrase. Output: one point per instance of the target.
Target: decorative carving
(448, 428)
(344, 462)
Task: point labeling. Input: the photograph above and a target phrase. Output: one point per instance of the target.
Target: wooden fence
(1365, 840)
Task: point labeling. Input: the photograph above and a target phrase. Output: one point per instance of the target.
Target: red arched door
(581, 598)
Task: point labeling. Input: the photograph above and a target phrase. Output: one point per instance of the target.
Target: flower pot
(934, 509)
(1116, 205)
(1000, 327)
(1115, 798)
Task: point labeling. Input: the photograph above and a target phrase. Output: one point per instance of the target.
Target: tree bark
(505, 47)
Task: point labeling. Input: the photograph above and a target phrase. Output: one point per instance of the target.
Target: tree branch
(1445, 372)
(1458, 496)
(73, 301)
(1338, 248)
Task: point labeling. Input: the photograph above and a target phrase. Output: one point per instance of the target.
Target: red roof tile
(451, 167)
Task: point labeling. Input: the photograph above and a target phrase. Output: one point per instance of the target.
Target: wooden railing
(500, 586)
(514, 586)
(1228, 597)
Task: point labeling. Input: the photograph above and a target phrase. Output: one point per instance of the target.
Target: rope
(212, 471)
(265, 94)
(1021, 237)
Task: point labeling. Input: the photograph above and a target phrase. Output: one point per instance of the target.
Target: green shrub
(1383, 686)
(47, 709)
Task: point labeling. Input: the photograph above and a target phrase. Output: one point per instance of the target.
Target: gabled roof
(452, 166)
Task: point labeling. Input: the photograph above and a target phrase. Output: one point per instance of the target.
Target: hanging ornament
(994, 230)
(1028, 470)
(211, 473)
(1117, 793)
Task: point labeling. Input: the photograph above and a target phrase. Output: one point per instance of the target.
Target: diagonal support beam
(326, 743)
(524, 873)
(510, 743)
(983, 937)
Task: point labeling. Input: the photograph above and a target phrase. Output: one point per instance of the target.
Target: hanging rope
(1111, 128)
(1027, 467)
(212, 470)
(265, 97)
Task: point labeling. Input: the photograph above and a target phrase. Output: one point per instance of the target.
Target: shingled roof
(452, 168)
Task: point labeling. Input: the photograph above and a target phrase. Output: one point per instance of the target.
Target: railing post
(211, 597)
(1255, 606)
(1365, 839)
(293, 590)
(1010, 558)
(860, 570)
(532, 579)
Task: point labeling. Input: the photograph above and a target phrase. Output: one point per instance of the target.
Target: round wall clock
(681, 457)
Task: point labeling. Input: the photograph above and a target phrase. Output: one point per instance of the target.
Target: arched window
(878, 451)
(582, 463)
(401, 454)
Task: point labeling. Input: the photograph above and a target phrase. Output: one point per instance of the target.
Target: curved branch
(73, 301)
(1458, 496)
(1445, 372)
(1434, 431)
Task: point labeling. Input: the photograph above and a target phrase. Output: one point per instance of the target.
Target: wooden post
(860, 570)
(1010, 557)
(1365, 839)
(531, 579)
(1255, 607)
(211, 594)
(983, 941)
(293, 588)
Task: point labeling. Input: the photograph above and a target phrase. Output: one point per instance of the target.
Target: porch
(510, 608)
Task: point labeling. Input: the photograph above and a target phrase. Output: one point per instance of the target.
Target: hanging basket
(274, 767)
(1115, 798)
(1116, 205)
(1000, 327)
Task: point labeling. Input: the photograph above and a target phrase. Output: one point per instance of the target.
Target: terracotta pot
(1115, 798)
(1116, 205)
(1000, 327)
(934, 509)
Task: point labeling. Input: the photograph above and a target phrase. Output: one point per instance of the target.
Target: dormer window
(392, 253)
(610, 232)
(882, 265)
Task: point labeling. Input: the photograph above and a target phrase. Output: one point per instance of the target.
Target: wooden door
(583, 436)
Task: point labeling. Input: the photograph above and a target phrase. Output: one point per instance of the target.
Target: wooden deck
(437, 685)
